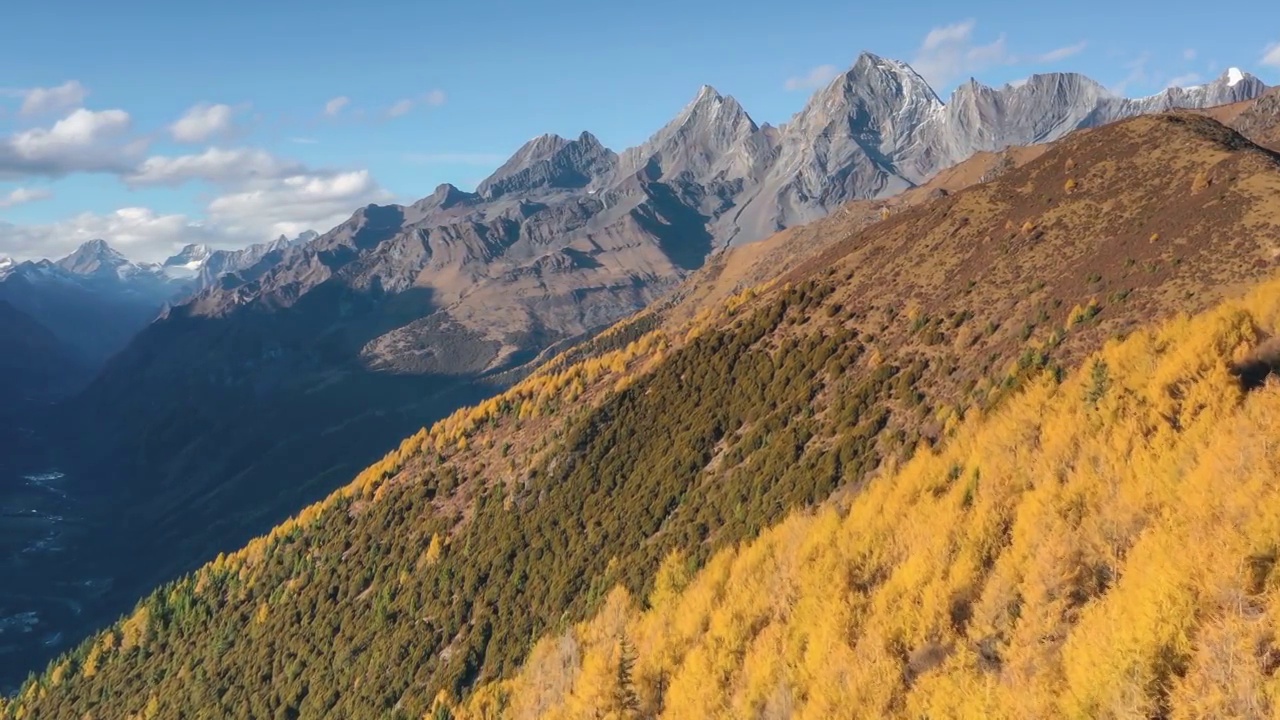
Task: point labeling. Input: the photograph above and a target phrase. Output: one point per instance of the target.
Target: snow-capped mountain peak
(1234, 77)
(188, 262)
(190, 254)
(96, 257)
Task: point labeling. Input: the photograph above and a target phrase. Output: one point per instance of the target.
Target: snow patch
(1234, 76)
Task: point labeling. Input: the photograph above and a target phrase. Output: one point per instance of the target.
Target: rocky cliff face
(548, 163)
(879, 129)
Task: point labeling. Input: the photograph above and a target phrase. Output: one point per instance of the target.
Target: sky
(152, 124)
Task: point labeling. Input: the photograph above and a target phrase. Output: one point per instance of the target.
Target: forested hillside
(688, 430)
(1102, 546)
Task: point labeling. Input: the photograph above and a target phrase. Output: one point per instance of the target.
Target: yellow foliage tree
(1088, 550)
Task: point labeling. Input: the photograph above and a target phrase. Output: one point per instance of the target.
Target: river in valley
(45, 585)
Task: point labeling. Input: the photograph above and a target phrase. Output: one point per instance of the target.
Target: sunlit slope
(439, 567)
(1099, 547)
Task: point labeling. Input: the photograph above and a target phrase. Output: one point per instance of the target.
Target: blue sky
(299, 112)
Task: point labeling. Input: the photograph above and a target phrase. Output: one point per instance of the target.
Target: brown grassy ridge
(1257, 119)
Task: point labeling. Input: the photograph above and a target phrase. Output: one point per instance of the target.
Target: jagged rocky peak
(550, 162)
(874, 110)
(447, 195)
(1044, 106)
(709, 101)
(1235, 85)
(722, 113)
(94, 257)
(540, 148)
(711, 138)
(191, 255)
(865, 117)
(875, 86)
(282, 242)
(1232, 86)
(1061, 86)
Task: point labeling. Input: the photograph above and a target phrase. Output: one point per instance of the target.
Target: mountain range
(295, 364)
(569, 216)
(95, 300)
(996, 448)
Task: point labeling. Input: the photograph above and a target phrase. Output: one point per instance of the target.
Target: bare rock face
(844, 144)
(1261, 122)
(879, 129)
(1043, 108)
(550, 162)
(712, 140)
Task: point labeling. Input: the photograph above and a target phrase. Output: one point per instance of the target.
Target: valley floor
(46, 588)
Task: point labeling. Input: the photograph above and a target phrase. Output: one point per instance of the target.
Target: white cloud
(293, 204)
(1271, 55)
(84, 141)
(1189, 54)
(213, 165)
(1136, 73)
(401, 107)
(38, 101)
(335, 106)
(455, 158)
(79, 129)
(261, 195)
(139, 233)
(949, 53)
(815, 78)
(203, 122)
(435, 98)
(1062, 53)
(261, 211)
(1182, 81)
(22, 196)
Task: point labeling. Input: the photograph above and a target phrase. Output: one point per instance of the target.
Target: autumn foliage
(1099, 547)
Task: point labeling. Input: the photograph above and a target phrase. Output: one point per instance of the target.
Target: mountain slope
(1099, 547)
(1260, 121)
(35, 367)
(438, 566)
